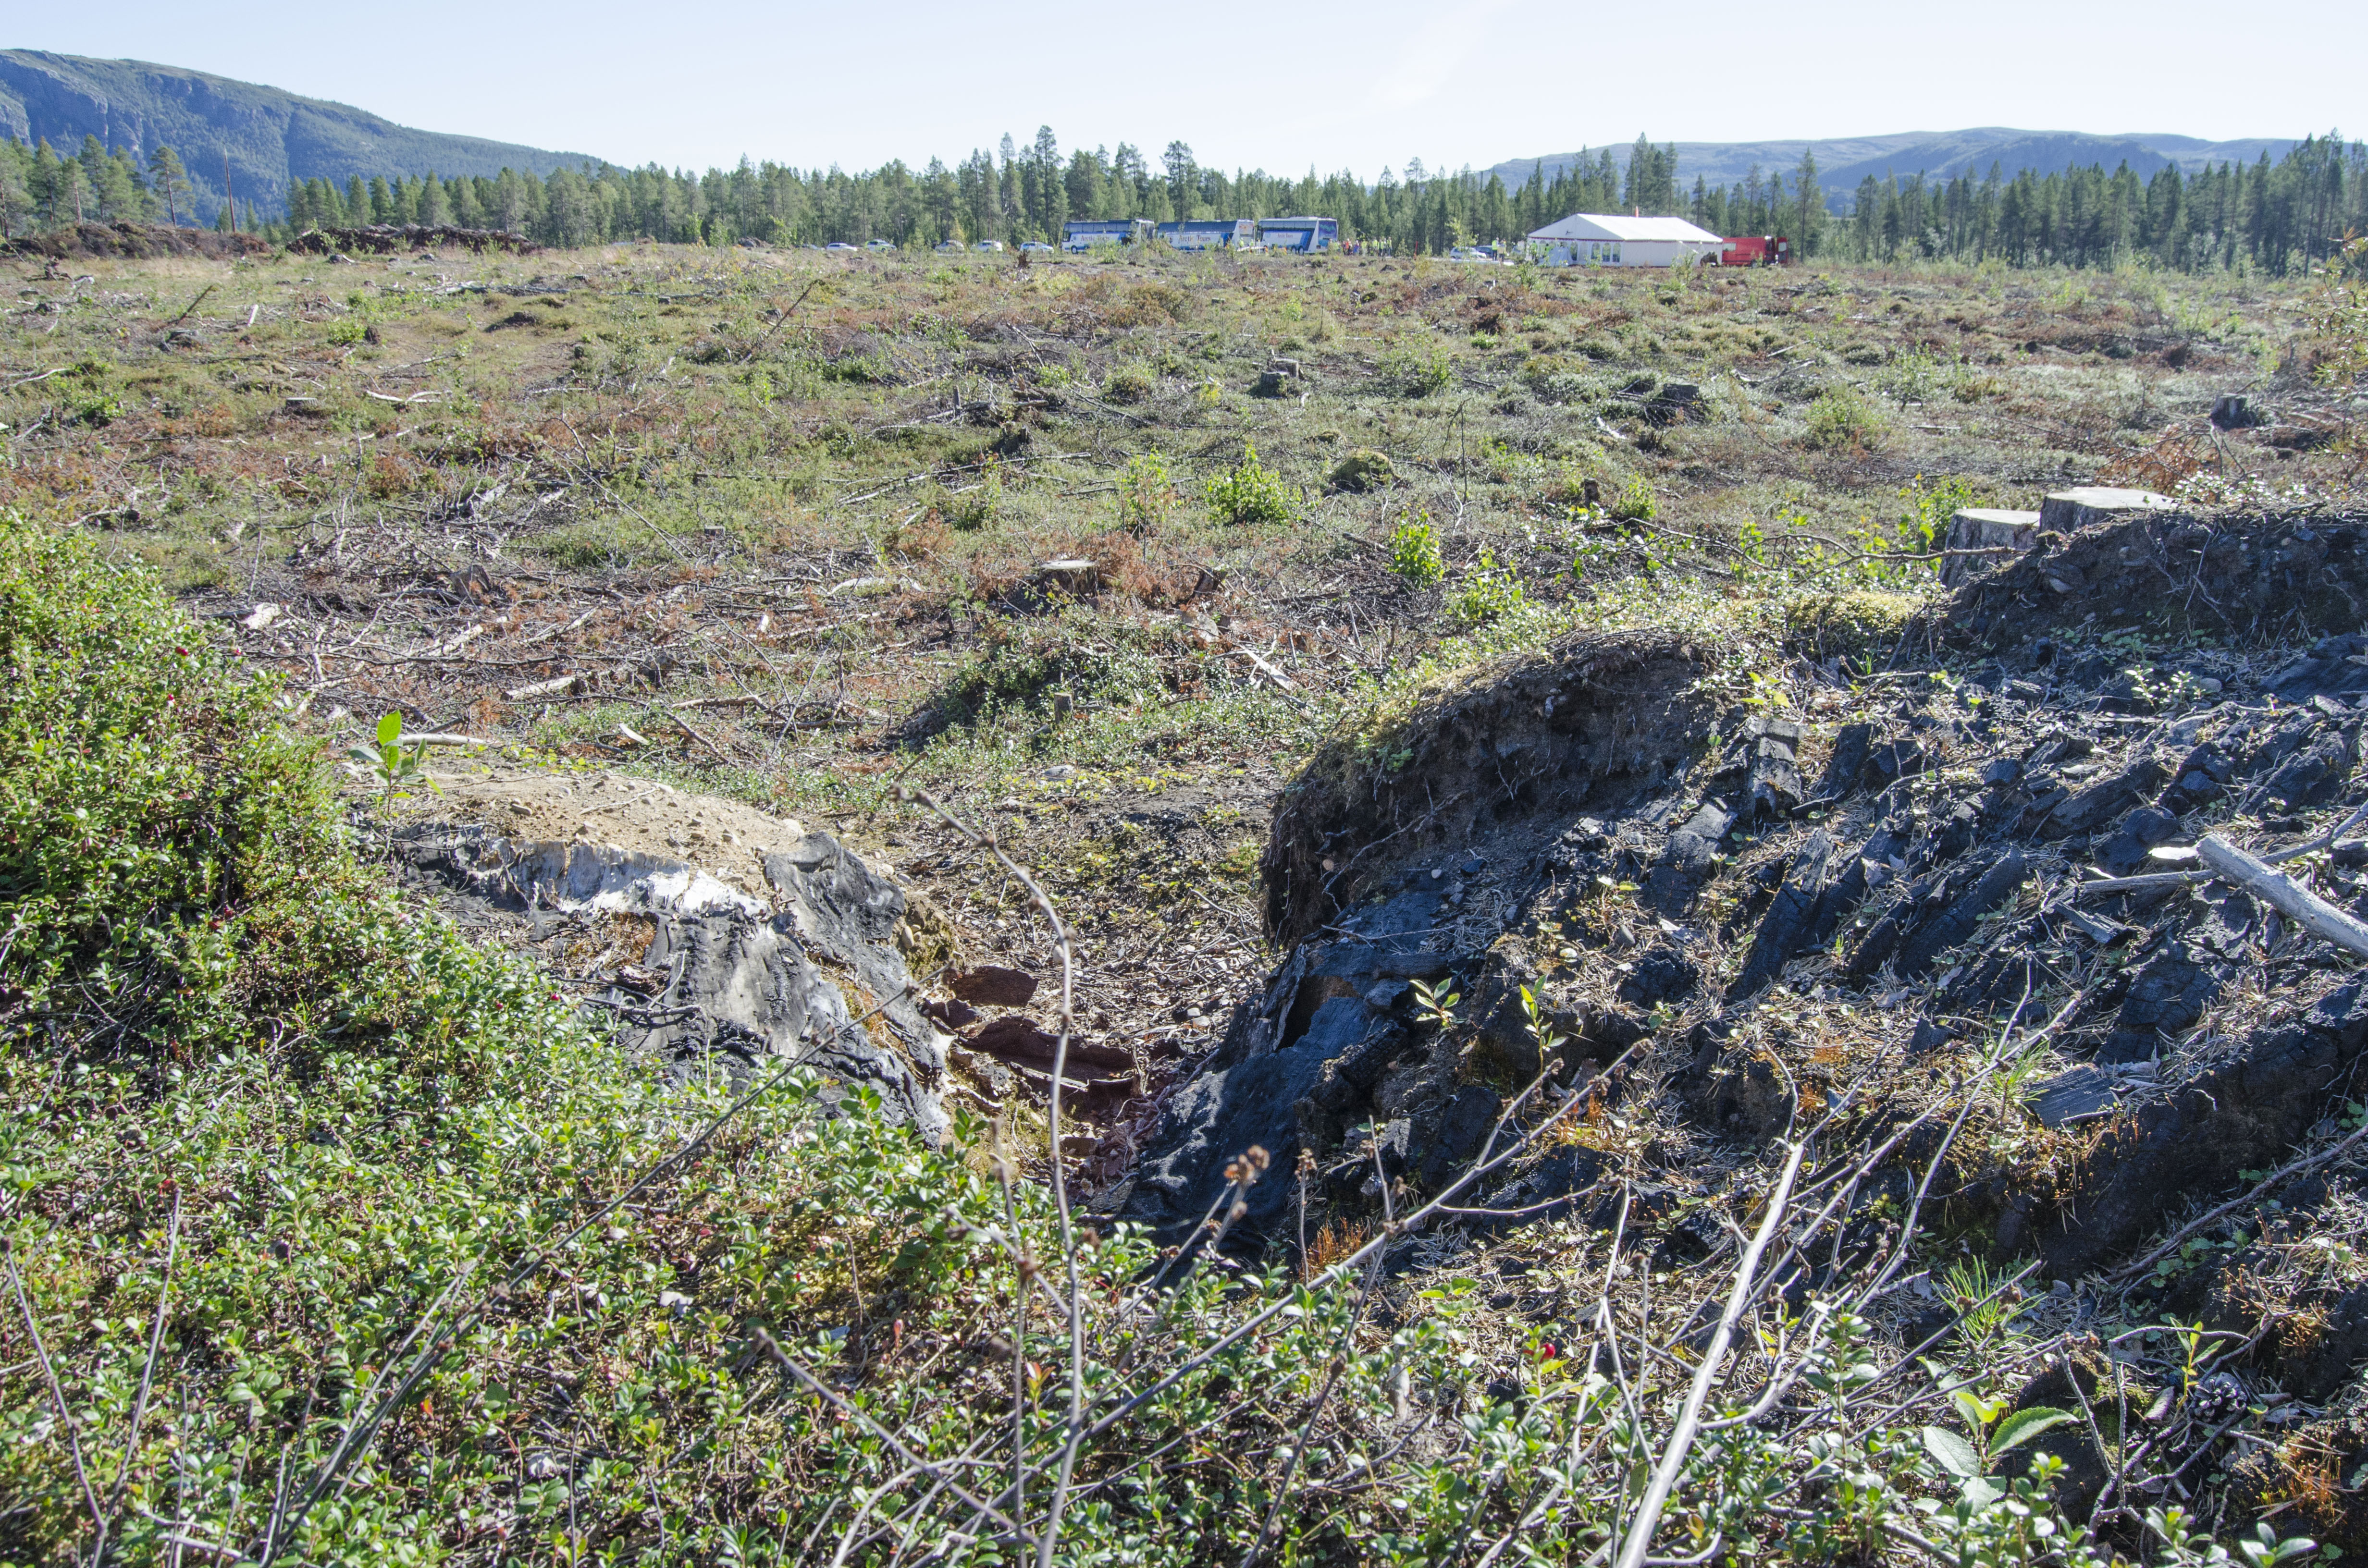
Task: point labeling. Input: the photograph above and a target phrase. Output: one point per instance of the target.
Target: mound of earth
(716, 937)
(2250, 579)
(133, 242)
(1836, 910)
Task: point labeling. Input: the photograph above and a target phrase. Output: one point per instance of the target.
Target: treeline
(40, 190)
(2272, 217)
(1016, 193)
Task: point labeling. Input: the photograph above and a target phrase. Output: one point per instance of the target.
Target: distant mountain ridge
(1843, 162)
(269, 136)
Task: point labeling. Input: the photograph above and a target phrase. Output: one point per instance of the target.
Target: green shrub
(96, 406)
(971, 508)
(146, 800)
(1926, 507)
(295, 1120)
(1146, 493)
(1636, 502)
(1840, 420)
(1493, 588)
(1250, 493)
(1414, 552)
(1416, 368)
(1132, 381)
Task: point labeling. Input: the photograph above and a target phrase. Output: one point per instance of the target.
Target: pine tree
(16, 202)
(72, 190)
(93, 160)
(169, 180)
(1808, 207)
(1181, 172)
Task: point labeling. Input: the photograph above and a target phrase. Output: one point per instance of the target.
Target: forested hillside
(1846, 160)
(258, 138)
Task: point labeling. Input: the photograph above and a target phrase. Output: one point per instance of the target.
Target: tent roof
(1617, 226)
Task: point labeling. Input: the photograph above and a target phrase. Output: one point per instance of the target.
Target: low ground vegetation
(337, 1235)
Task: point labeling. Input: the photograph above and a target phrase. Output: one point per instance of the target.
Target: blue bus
(1084, 233)
(1212, 233)
(1299, 234)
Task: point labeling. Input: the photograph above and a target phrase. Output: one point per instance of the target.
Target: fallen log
(2285, 895)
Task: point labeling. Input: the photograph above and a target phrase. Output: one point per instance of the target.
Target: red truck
(1757, 250)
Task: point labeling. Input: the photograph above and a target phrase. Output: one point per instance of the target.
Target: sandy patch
(599, 806)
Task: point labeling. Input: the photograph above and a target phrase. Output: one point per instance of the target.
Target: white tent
(1609, 239)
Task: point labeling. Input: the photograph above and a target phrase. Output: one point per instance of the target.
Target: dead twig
(148, 1369)
(684, 725)
(1633, 1550)
(2284, 894)
(66, 1415)
(2282, 1174)
(1074, 1302)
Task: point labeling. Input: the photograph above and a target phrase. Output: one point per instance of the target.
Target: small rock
(953, 1013)
(993, 985)
(2080, 1094)
(2232, 411)
(1014, 1034)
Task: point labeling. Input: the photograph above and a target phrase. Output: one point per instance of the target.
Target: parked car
(1037, 246)
(950, 247)
(988, 244)
(881, 244)
(838, 244)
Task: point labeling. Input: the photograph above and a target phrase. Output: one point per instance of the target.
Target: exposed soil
(730, 838)
(2248, 581)
(1844, 912)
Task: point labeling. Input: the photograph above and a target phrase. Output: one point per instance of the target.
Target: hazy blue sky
(1278, 85)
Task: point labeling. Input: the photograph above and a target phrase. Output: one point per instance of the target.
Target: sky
(1281, 86)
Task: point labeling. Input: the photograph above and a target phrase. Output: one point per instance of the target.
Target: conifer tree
(16, 202)
(1809, 205)
(169, 180)
(92, 162)
(1181, 177)
(1006, 191)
